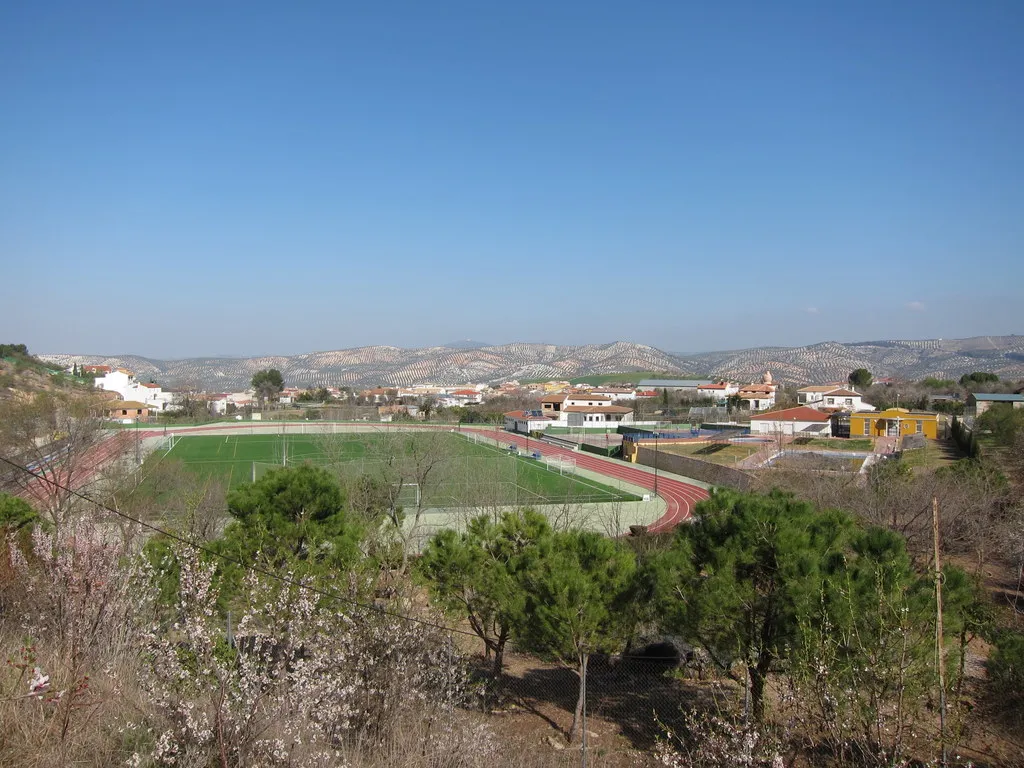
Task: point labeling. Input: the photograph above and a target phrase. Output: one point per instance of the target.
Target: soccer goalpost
(409, 495)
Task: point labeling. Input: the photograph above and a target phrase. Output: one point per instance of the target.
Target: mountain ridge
(384, 365)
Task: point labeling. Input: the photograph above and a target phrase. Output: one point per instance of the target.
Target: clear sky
(190, 178)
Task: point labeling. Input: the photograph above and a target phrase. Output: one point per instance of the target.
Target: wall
(705, 471)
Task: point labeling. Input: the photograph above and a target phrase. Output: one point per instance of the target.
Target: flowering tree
(300, 683)
(55, 434)
(70, 598)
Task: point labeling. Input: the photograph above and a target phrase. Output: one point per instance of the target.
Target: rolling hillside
(393, 366)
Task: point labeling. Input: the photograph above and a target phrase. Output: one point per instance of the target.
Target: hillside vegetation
(393, 366)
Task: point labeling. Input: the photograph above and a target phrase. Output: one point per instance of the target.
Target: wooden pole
(938, 631)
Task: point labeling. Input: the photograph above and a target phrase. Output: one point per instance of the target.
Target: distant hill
(393, 366)
(466, 344)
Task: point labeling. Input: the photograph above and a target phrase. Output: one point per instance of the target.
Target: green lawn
(467, 474)
(934, 454)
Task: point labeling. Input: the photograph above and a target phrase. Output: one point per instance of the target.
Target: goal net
(563, 465)
(409, 495)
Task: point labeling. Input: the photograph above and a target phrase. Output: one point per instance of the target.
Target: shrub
(1006, 666)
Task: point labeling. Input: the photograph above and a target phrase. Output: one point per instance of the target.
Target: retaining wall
(715, 474)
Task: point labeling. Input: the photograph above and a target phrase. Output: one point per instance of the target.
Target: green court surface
(454, 471)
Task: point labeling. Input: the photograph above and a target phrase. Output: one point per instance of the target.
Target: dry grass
(934, 454)
(726, 454)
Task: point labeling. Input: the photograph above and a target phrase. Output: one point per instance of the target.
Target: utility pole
(938, 631)
(656, 455)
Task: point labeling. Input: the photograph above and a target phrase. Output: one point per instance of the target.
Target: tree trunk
(499, 659)
(578, 713)
(757, 680)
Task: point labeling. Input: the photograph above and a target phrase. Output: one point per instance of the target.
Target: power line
(227, 558)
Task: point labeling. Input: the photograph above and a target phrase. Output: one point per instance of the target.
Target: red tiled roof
(558, 397)
(763, 389)
(130, 405)
(800, 413)
(526, 415)
(820, 388)
(151, 385)
(842, 393)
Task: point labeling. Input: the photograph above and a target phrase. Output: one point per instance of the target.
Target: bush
(1006, 667)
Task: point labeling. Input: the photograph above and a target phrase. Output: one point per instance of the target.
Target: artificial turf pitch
(466, 465)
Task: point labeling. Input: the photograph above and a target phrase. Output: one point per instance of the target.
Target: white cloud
(813, 310)
(915, 306)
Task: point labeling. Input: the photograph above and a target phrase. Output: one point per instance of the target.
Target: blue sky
(192, 178)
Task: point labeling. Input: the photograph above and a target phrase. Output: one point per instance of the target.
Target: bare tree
(59, 437)
(409, 458)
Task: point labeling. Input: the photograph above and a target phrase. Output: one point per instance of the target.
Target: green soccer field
(461, 472)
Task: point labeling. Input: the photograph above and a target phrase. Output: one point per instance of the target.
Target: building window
(849, 401)
(920, 427)
(867, 426)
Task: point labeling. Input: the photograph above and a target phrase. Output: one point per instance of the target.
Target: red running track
(680, 497)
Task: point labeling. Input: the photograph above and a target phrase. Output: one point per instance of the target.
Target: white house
(759, 397)
(801, 420)
(844, 400)
(814, 393)
(719, 390)
(219, 403)
(597, 415)
(461, 397)
(123, 382)
(525, 422)
(119, 381)
(613, 393)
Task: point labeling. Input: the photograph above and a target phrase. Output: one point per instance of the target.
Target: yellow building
(894, 422)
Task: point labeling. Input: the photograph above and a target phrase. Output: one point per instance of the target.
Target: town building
(720, 390)
(894, 422)
(613, 393)
(759, 397)
(979, 402)
(801, 420)
(123, 382)
(843, 400)
(685, 386)
(815, 393)
(597, 415)
(526, 422)
(126, 410)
